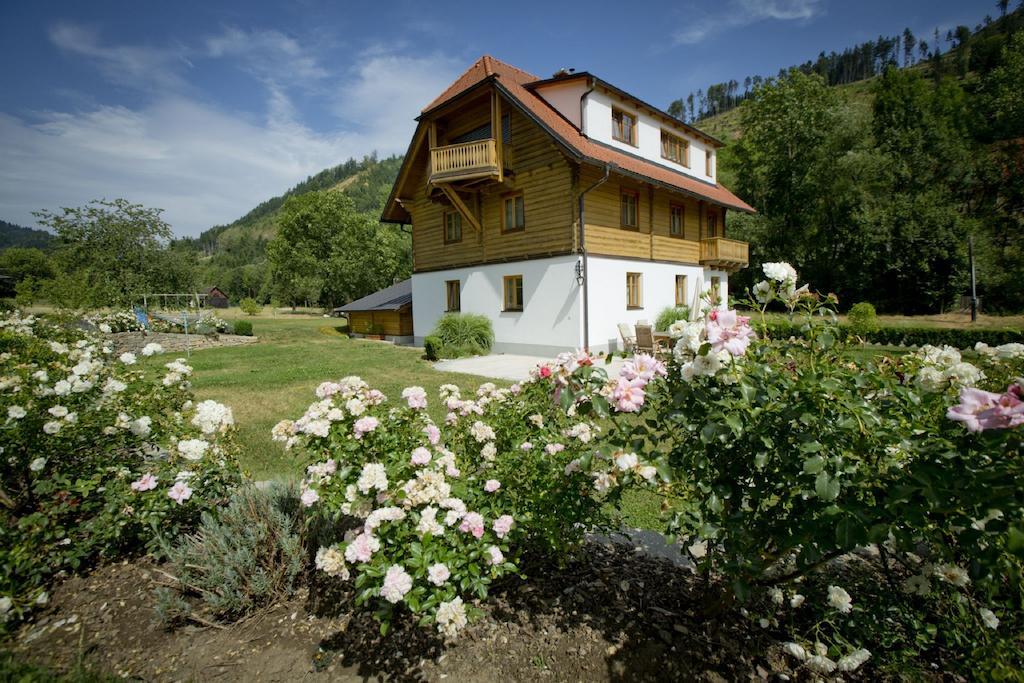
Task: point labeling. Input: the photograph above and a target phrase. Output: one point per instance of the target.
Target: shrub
(243, 327)
(784, 458)
(463, 334)
(249, 306)
(441, 513)
(98, 458)
(862, 318)
(432, 347)
(246, 556)
(669, 315)
(115, 321)
(777, 328)
(7, 305)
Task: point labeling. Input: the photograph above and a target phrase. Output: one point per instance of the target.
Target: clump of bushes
(243, 327)
(778, 328)
(669, 315)
(245, 557)
(99, 458)
(463, 334)
(862, 318)
(432, 347)
(249, 306)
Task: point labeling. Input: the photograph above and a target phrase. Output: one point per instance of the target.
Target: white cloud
(739, 13)
(203, 163)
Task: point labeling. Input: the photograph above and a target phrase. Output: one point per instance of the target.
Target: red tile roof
(515, 82)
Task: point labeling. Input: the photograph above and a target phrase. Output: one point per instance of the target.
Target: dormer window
(675, 148)
(624, 126)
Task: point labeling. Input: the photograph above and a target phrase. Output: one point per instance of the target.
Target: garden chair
(645, 341)
(628, 338)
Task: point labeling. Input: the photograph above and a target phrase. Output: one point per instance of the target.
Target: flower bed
(99, 459)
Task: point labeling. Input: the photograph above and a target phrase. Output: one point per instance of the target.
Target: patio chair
(628, 337)
(645, 341)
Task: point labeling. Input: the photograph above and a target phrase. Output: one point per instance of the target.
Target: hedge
(908, 336)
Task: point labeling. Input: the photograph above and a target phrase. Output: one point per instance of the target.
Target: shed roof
(388, 299)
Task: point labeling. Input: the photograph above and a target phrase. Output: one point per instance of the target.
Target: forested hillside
(12, 235)
(234, 256)
(873, 189)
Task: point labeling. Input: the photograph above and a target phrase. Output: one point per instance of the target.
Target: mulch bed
(613, 614)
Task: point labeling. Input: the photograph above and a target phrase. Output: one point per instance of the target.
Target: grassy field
(275, 378)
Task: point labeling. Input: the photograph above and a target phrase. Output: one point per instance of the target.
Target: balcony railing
(719, 252)
(476, 159)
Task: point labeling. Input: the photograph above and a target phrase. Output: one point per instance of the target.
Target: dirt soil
(614, 615)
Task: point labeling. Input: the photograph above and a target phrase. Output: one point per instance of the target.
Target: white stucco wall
(551, 319)
(608, 294)
(565, 97)
(597, 124)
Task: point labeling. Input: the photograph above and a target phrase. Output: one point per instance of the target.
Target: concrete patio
(507, 366)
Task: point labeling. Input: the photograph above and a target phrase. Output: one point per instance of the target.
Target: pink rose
(420, 456)
(492, 485)
(502, 525)
(146, 482)
(472, 523)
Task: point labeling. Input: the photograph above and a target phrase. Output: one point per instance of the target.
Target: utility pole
(974, 291)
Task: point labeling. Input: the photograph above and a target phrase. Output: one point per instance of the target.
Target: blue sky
(207, 108)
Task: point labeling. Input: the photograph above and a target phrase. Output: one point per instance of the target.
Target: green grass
(274, 379)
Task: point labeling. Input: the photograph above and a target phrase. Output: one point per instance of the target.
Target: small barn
(216, 298)
(387, 313)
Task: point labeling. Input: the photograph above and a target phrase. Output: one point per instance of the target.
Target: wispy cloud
(737, 13)
(202, 163)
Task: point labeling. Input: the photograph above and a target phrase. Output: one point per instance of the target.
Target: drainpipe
(583, 256)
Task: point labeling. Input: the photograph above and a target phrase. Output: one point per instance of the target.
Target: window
(716, 290)
(624, 126)
(676, 213)
(453, 292)
(514, 216)
(712, 224)
(675, 148)
(634, 293)
(630, 209)
(709, 163)
(680, 290)
(513, 293)
(452, 227)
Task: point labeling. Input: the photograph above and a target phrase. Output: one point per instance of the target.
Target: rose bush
(787, 454)
(436, 513)
(99, 457)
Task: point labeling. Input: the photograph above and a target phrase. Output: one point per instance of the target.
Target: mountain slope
(12, 235)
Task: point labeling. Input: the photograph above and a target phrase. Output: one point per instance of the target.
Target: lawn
(275, 378)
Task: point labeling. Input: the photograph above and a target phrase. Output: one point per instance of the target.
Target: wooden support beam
(498, 133)
(460, 206)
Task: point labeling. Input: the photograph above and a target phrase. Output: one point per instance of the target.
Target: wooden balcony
(724, 254)
(464, 161)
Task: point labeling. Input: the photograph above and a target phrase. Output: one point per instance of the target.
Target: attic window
(624, 126)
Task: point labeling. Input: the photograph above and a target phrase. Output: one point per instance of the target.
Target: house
(216, 298)
(387, 312)
(559, 207)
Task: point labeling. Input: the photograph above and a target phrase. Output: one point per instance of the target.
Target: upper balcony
(724, 254)
(465, 161)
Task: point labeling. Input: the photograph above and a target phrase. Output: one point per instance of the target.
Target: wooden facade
(516, 155)
(391, 323)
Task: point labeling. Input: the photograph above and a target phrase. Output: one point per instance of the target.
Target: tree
(909, 41)
(327, 251)
(23, 262)
(117, 250)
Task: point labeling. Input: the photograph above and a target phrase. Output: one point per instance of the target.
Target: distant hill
(12, 235)
(367, 182)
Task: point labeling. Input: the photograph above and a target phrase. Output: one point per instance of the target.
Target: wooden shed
(387, 312)
(216, 298)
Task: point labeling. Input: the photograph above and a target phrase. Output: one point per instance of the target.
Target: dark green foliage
(249, 306)
(13, 669)
(240, 560)
(432, 347)
(16, 236)
(7, 305)
(243, 327)
(464, 334)
(862, 318)
(903, 336)
(669, 315)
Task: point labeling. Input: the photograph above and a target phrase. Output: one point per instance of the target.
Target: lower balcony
(464, 161)
(724, 254)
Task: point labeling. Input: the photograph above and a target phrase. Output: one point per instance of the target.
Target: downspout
(583, 256)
